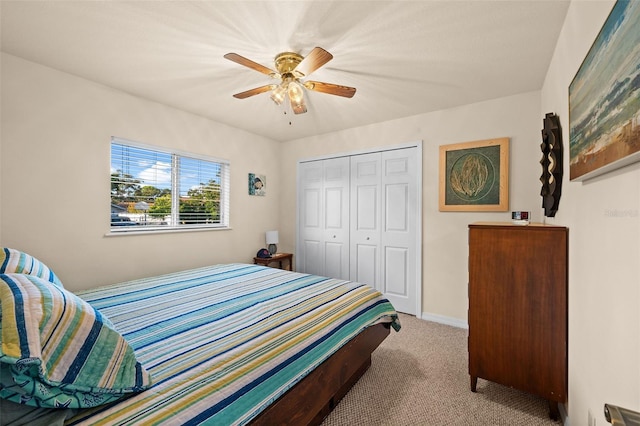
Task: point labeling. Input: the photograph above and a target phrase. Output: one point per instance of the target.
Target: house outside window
(154, 189)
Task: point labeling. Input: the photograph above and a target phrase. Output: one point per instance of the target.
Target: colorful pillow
(16, 261)
(58, 351)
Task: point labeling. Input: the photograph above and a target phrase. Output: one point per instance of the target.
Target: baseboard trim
(564, 416)
(441, 319)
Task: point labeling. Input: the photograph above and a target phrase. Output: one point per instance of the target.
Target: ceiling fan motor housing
(286, 62)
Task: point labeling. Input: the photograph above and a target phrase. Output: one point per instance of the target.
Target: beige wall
(56, 131)
(603, 215)
(444, 239)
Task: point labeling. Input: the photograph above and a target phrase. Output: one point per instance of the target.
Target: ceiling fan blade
(314, 60)
(256, 91)
(234, 57)
(332, 89)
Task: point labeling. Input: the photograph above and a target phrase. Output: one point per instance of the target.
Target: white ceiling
(404, 57)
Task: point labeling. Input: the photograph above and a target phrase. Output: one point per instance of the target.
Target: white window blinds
(154, 189)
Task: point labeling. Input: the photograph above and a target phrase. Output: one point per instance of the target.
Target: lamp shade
(272, 237)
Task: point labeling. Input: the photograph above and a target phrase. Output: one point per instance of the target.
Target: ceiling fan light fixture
(296, 97)
(296, 92)
(299, 107)
(278, 94)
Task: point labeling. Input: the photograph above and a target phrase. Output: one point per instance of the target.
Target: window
(154, 189)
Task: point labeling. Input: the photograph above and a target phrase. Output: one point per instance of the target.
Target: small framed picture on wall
(257, 184)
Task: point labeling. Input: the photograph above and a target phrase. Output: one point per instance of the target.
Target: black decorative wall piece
(551, 162)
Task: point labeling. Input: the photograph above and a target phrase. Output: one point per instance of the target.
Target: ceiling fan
(291, 69)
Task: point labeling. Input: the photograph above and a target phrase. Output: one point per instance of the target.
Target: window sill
(165, 231)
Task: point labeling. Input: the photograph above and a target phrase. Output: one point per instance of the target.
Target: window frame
(174, 225)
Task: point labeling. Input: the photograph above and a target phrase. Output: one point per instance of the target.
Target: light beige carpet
(419, 376)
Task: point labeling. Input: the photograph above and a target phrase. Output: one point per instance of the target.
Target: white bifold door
(359, 219)
(323, 234)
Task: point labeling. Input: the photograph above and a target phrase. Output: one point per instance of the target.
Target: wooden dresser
(518, 308)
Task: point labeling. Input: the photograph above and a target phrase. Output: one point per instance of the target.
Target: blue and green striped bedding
(223, 342)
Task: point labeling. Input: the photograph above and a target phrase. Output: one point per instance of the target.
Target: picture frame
(474, 176)
(257, 184)
(604, 111)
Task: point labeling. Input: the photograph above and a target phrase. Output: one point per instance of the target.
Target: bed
(226, 344)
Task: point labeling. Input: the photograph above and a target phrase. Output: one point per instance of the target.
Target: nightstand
(278, 257)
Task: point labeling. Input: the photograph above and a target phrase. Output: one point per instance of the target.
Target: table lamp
(272, 240)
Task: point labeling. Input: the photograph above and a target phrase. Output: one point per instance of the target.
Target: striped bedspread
(223, 342)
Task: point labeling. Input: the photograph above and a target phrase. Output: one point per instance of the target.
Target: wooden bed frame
(313, 398)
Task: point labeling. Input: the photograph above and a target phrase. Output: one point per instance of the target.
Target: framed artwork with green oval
(474, 176)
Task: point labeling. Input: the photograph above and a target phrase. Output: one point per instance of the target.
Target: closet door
(384, 231)
(323, 200)
(365, 219)
(310, 255)
(399, 237)
(359, 219)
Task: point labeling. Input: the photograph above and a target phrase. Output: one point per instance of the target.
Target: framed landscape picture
(604, 98)
(474, 176)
